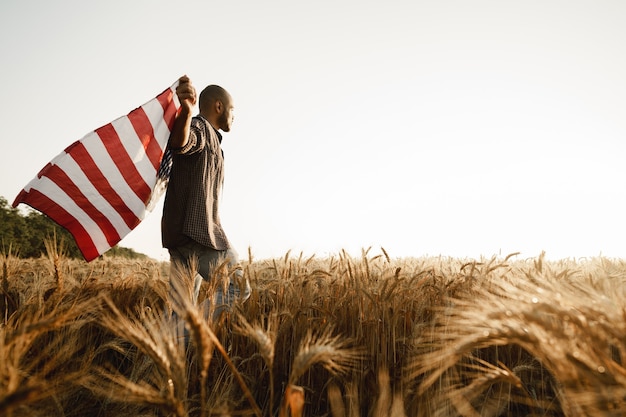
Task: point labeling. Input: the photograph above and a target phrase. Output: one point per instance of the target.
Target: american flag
(100, 187)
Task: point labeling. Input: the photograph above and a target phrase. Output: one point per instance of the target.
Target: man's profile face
(227, 116)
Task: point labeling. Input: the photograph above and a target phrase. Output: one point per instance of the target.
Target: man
(190, 227)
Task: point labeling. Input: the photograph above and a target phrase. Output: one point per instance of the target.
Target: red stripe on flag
(169, 107)
(125, 164)
(41, 202)
(79, 153)
(21, 198)
(60, 178)
(143, 128)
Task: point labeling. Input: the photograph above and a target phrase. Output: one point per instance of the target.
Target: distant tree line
(25, 235)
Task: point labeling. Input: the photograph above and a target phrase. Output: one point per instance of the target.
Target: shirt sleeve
(197, 139)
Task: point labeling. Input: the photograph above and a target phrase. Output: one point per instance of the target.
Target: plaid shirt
(191, 204)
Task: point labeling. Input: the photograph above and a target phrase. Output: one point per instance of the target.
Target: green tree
(12, 227)
(123, 252)
(42, 228)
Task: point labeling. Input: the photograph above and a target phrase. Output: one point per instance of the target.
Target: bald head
(210, 95)
(216, 105)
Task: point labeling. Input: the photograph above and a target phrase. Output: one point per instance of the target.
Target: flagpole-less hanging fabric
(101, 186)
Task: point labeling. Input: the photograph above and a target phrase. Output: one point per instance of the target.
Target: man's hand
(186, 93)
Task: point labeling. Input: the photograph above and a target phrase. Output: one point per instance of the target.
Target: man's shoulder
(198, 120)
(200, 126)
(200, 123)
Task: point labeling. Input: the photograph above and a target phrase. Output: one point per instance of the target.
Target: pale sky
(454, 128)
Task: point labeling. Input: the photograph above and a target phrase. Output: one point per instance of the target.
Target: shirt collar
(219, 134)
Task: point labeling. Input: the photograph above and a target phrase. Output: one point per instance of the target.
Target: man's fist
(186, 93)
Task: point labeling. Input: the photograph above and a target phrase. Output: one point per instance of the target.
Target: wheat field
(340, 336)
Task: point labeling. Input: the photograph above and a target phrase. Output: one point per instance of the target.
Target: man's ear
(219, 106)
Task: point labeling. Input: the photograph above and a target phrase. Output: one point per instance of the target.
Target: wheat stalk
(40, 356)
(543, 315)
(154, 337)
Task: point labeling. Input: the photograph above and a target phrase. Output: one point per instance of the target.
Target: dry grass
(341, 336)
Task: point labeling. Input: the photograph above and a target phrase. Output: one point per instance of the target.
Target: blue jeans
(213, 266)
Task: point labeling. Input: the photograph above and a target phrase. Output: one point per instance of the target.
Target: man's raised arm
(187, 96)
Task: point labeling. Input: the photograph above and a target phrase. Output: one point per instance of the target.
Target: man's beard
(223, 122)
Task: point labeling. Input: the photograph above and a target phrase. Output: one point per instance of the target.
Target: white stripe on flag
(74, 171)
(58, 195)
(154, 112)
(134, 149)
(103, 160)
